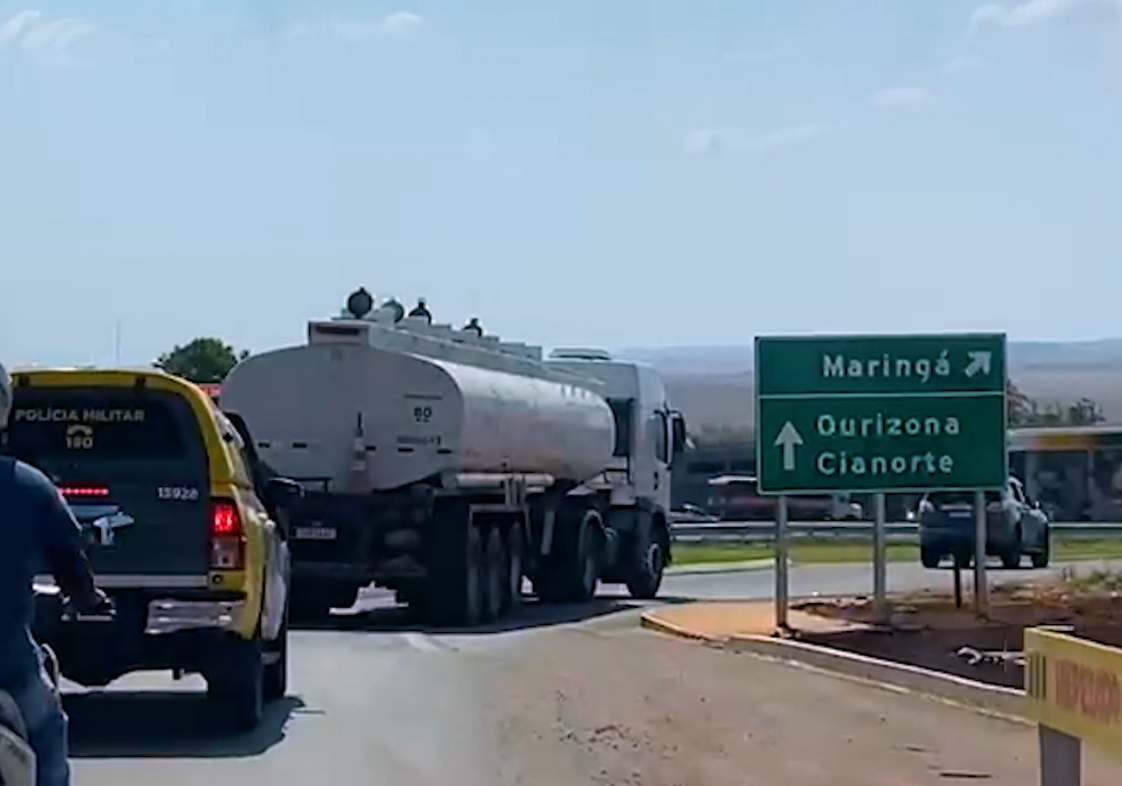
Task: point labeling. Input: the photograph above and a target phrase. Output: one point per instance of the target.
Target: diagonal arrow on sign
(980, 363)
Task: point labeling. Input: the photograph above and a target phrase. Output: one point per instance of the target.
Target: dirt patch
(929, 631)
(627, 707)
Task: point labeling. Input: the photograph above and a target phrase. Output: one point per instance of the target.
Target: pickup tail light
(227, 537)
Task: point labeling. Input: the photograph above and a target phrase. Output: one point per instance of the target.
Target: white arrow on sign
(789, 438)
(980, 363)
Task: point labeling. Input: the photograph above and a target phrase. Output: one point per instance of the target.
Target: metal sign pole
(781, 577)
(981, 587)
(1061, 758)
(880, 561)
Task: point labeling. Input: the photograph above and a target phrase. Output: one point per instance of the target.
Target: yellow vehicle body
(252, 595)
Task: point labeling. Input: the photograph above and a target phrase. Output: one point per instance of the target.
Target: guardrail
(896, 531)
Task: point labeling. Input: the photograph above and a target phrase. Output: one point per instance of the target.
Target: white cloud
(399, 23)
(402, 22)
(711, 141)
(1035, 13)
(902, 98)
(17, 25)
(48, 39)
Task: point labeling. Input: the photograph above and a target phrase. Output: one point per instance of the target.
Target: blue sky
(610, 172)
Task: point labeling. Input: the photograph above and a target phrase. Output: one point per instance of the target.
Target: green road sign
(880, 413)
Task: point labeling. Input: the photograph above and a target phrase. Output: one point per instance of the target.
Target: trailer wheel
(494, 575)
(474, 572)
(454, 590)
(514, 548)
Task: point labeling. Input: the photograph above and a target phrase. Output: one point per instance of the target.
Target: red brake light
(227, 543)
(84, 491)
(225, 521)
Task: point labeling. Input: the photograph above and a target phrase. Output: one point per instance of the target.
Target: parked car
(1015, 526)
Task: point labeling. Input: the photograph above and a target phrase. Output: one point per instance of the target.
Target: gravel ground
(616, 706)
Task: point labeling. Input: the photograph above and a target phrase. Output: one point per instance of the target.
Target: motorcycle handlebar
(105, 611)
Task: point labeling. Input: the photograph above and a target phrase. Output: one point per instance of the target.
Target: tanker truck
(448, 465)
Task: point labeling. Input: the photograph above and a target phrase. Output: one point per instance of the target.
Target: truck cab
(650, 435)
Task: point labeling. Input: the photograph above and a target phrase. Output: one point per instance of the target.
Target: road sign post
(782, 541)
(981, 586)
(880, 562)
(881, 414)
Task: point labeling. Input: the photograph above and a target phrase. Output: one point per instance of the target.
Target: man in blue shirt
(36, 529)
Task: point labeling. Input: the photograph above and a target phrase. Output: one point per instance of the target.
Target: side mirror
(678, 432)
(282, 491)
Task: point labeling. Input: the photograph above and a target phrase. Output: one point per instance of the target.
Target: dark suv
(1015, 525)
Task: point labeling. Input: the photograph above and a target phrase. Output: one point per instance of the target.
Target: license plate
(316, 533)
(961, 514)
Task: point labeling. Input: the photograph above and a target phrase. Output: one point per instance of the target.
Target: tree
(202, 360)
(1085, 412)
(1022, 411)
(1019, 408)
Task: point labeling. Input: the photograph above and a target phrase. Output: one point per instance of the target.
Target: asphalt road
(376, 699)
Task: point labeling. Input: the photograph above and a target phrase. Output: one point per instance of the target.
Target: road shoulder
(627, 706)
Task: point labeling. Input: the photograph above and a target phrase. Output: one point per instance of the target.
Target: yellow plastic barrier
(1073, 689)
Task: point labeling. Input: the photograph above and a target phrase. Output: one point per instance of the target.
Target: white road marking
(424, 643)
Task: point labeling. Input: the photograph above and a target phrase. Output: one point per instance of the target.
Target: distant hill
(712, 385)
(738, 359)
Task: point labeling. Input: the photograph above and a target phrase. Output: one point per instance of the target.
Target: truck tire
(495, 576)
(648, 561)
(237, 683)
(572, 572)
(456, 569)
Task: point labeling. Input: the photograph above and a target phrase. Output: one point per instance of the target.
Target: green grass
(809, 552)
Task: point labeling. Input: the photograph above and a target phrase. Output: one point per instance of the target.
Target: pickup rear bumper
(154, 629)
